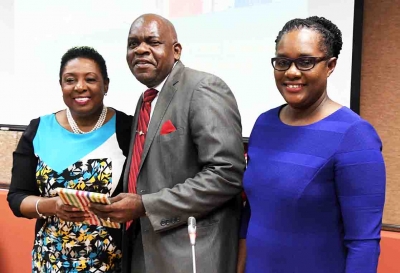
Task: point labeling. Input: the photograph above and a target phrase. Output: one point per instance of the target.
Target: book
(81, 200)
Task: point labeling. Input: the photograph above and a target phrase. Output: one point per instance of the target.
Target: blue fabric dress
(316, 194)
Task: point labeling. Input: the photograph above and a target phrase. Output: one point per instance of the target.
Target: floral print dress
(90, 162)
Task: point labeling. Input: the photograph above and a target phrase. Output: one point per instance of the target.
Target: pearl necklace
(75, 127)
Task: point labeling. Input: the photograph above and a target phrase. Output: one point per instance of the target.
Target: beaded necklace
(98, 124)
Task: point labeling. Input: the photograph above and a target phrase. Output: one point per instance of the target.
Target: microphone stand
(194, 260)
(192, 236)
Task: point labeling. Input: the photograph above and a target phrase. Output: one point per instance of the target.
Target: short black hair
(331, 42)
(87, 53)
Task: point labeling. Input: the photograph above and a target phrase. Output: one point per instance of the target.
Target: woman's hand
(70, 213)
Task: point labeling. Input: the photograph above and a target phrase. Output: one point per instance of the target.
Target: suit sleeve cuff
(158, 222)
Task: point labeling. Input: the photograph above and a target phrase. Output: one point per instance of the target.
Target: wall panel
(380, 92)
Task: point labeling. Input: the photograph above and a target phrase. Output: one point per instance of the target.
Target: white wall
(6, 55)
(233, 43)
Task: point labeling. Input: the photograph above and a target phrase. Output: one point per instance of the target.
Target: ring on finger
(108, 219)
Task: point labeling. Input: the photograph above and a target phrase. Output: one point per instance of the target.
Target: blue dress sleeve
(360, 183)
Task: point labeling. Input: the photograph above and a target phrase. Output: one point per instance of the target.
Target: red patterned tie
(143, 123)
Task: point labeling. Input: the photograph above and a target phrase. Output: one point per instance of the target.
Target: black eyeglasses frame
(291, 60)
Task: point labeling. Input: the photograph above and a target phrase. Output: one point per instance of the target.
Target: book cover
(81, 200)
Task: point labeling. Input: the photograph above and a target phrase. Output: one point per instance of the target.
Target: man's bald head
(157, 18)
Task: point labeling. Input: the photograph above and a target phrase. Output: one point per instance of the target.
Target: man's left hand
(123, 208)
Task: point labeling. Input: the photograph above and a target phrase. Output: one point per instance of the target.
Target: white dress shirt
(158, 88)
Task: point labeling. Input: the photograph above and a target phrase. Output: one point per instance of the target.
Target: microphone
(192, 236)
(192, 230)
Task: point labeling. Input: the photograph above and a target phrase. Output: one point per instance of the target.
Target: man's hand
(123, 208)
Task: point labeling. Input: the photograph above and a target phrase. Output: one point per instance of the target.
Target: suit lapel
(163, 101)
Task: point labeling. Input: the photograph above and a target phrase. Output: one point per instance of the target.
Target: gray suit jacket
(194, 171)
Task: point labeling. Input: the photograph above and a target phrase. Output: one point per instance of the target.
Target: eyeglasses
(302, 63)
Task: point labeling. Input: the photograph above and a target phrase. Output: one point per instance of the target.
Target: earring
(105, 94)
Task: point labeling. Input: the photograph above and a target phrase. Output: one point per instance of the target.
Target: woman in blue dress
(315, 179)
(82, 147)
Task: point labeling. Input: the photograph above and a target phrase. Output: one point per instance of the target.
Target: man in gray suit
(191, 163)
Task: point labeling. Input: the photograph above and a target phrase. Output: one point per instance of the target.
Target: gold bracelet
(37, 211)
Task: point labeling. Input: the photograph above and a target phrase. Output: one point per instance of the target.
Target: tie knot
(149, 95)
